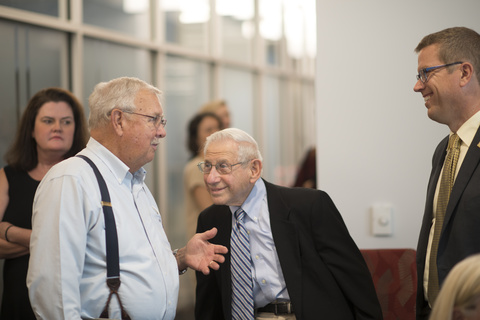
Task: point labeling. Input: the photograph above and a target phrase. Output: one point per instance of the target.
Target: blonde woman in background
(220, 108)
(459, 297)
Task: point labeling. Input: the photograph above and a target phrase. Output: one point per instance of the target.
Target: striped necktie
(241, 270)
(446, 184)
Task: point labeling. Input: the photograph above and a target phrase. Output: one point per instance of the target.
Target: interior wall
(375, 141)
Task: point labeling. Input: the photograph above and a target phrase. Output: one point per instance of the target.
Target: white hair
(247, 146)
(118, 93)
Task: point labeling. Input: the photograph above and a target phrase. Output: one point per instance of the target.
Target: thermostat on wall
(382, 219)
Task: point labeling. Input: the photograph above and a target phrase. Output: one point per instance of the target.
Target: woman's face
(224, 115)
(54, 128)
(207, 126)
(470, 313)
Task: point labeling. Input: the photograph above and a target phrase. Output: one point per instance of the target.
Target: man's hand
(201, 255)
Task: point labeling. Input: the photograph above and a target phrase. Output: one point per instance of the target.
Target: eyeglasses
(156, 120)
(221, 167)
(423, 74)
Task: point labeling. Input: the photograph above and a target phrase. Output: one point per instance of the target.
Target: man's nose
(419, 85)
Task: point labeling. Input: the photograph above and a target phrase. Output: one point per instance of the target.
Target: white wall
(375, 141)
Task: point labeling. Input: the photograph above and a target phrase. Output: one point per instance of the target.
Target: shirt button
(264, 281)
(257, 257)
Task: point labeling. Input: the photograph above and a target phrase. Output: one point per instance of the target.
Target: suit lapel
(286, 241)
(470, 163)
(224, 223)
(436, 170)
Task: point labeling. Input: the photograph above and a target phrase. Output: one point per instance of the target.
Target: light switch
(382, 219)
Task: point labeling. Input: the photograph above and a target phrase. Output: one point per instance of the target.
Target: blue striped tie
(241, 269)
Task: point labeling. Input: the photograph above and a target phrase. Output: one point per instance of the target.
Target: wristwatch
(180, 272)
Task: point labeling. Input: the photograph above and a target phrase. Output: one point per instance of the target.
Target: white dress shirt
(268, 281)
(67, 272)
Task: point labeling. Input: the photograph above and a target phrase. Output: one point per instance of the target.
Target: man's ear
(467, 73)
(256, 169)
(117, 119)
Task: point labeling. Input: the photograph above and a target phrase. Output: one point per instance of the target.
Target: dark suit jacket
(460, 235)
(324, 271)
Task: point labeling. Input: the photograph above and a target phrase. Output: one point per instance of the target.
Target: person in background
(307, 173)
(459, 298)
(197, 197)
(290, 253)
(449, 81)
(220, 108)
(52, 128)
(67, 273)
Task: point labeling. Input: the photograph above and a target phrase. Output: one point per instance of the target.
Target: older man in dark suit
(290, 253)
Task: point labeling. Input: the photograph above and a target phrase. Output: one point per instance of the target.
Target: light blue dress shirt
(67, 272)
(268, 281)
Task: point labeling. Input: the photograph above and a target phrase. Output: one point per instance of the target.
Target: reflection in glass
(127, 16)
(49, 7)
(186, 23)
(237, 28)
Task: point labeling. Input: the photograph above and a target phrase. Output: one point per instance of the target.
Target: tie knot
(454, 142)
(239, 214)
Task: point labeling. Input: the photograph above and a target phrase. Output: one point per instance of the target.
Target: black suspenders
(113, 264)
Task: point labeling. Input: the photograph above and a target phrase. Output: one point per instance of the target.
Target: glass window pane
(186, 23)
(270, 12)
(127, 16)
(47, 57)
(32, 59)
(49, 7)
(236, 87)
(271, 128)
(104, 61)
(8, 90)
(237, 28)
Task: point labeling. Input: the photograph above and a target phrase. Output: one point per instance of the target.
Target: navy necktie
(241, 270)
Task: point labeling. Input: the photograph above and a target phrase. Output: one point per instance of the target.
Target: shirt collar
(119, 169)
(469, 128)
(253, 203)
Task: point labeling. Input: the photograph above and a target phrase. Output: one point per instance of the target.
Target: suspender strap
(113, 268)
(111, 238)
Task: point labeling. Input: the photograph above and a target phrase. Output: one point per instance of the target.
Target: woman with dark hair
(196, 195)
(52, 128)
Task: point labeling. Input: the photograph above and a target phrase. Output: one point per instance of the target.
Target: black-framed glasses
(156, 120)
(221, 167)
(423, 74)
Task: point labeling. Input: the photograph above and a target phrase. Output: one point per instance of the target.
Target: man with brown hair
(449, 81)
